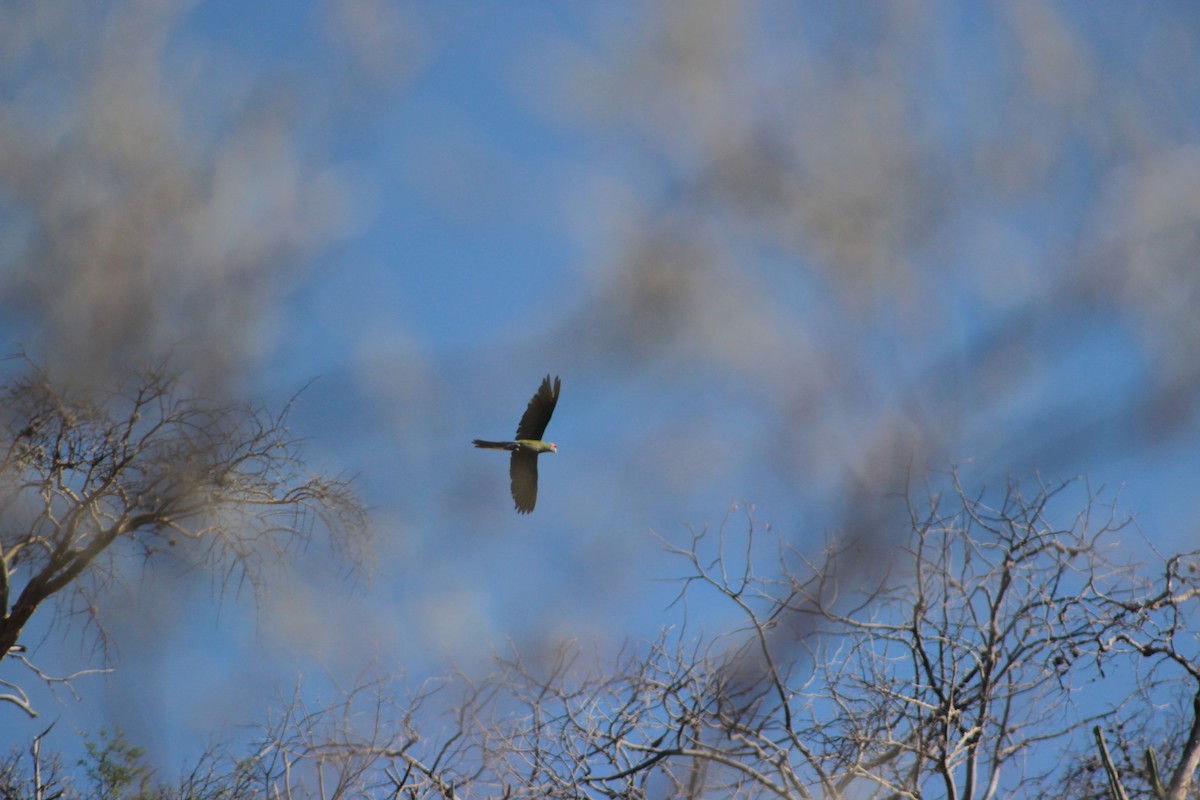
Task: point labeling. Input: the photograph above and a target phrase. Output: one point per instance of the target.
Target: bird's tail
(495, 445)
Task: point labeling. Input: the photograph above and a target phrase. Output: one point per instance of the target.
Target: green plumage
(522, 467)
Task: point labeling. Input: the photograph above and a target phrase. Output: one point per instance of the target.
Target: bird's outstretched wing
(523, 471)
(537, 415)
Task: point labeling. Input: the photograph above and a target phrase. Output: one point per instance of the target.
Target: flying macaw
(522, 469)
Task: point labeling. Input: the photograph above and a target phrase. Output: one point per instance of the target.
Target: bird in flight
(522, 469)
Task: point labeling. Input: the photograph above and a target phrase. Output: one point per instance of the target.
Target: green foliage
(116, 771)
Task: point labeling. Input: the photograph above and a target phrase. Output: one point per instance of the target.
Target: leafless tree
(974, 661)
(93, 481)
(974, 664)
(1157, 739)
(45, 779)
(946, 674)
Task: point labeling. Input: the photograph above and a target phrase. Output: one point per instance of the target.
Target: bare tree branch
(91, 477)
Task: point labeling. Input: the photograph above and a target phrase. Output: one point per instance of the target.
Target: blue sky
(779, 256)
